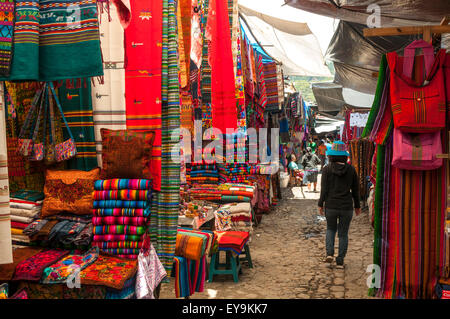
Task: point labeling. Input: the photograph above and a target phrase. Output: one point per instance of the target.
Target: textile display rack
(411, 243)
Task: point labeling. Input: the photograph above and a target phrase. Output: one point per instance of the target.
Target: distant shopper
(339, 194)
(312, 145)
(321, 151)
(309, 163)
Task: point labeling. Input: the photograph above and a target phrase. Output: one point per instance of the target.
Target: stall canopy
(393, 13)
(289, 42)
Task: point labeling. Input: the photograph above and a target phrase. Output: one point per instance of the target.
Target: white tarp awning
(290, 42)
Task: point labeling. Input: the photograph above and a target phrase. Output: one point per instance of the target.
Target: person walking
(309, 163)
(339, 194)
(322, 151)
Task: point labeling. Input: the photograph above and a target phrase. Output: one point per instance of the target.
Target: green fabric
(77, 107)
(377, 101)
(378, 213)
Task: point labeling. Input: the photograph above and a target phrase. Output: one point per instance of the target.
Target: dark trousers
(338, 221)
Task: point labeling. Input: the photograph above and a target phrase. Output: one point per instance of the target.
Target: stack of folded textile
(25, 206)
(233, 241)
(225, 193)
(242, 173)
(240, 215)
(121, 215)
(192, 248)
(203, 174)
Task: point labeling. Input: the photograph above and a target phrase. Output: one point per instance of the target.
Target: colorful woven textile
(27, 195)
(190, 247)
(143, 75)
(232, 240)
(129, 253)
(109, 204)
(7, 12)
(61, 291)
(164, 217)
(128, 212)
(60, 271)
(77, 106)
(118, 244)
(128, 291)
(115, 220)
(76, 54)
(124, 194)
(84, 238)
(19, 255)
(119, 230)
(32, 268)
(118, 184)
(109, 271)
(271, 82)
(223, 98)
(115, 237)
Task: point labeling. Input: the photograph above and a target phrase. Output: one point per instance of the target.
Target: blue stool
(232, 266)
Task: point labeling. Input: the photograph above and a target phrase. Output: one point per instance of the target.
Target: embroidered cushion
(126, 154)
(69, 191)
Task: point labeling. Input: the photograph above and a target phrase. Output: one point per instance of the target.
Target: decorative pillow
(69, 191)
(126, 154)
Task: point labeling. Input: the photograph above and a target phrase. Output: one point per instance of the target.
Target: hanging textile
(184, 42)
(7, 12)
(223, 100)
(42, 53)
(108, 100)
(5, 217)
(77, 106)
(271, 82)
(143, 75)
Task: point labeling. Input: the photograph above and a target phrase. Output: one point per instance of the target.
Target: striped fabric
(164, 217)
(108, 100)
(6, 35)
(77, 106)
(5, 226)
(271, 82)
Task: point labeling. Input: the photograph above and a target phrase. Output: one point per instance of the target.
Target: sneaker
(339, 263)
(329, 259)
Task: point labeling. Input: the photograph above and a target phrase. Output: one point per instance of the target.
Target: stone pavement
(288, 249)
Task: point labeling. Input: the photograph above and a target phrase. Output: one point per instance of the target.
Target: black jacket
(339, 187)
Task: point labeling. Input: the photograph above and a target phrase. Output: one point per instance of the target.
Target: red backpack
(418, 108)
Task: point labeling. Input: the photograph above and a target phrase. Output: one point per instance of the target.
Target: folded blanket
(121, 204)
(60, 271)
(113, 220)
(241, 218)
(113, 237)
(117, 244)
(28, 195)
(211, 238)
(124, 194)
(32, 213)
(19, 225)
(21, 219)
(121, 251)
(16, 203)
(234, 198)
(35, 227)
(110, 271)
(16, 231)
(232, 240)
(116, 184)
(190, 247)
(20, 238)
(238, 208)
(119, 230)
(65, 232)
(32, 268)
(130, 212)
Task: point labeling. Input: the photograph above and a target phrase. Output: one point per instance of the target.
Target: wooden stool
(231, 267)
(247, 257)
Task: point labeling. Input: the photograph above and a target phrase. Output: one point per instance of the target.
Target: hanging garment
(143, 75)
(77, 106)
(417, 107)
(7, 12)
(108, 100)
(223, 100)
(56, 40)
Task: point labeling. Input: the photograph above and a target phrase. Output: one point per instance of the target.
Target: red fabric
(447, 82)
(143, 51)
(18, 225)
(223, 97)
(416, 108)
(232, 240)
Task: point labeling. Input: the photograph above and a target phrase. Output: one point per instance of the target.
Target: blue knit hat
(338, 149)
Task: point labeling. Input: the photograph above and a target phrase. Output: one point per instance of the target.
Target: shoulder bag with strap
(38, 148)
(25, 147)
(67, 149)
(418, 108)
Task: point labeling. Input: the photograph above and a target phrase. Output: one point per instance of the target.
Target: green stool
(247, 257)
(231, 267)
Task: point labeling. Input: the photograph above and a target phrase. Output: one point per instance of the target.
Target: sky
(322, 27)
